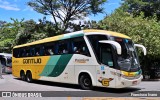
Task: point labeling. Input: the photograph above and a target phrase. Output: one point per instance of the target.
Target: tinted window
(63, 47)
(3, 61)
(79, 46)
(15, 53)
(106, 55)
(48, 49)
(94, 40)
(68, 46)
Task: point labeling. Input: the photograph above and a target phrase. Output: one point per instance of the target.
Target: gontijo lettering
(32, 61)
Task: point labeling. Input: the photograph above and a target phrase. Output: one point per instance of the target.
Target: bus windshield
(128, 60)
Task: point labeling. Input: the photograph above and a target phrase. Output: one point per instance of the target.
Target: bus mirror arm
(116, 44)
(141, 46)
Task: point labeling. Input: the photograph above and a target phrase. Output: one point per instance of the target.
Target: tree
(32, 31)
(8, 32)
(11, 29)
(2, 23)
(67, 10)
(148, 7)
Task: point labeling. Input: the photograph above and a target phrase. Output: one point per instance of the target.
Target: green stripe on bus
(61, 65)
(65, 36)
(77, 35)
(56, 65)
(50, 65)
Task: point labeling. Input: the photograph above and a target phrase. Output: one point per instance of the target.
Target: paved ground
(9, 83)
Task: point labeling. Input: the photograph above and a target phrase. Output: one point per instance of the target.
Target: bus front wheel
(29, 77)
(85, 82)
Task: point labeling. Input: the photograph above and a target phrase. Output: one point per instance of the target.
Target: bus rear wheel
(22, 75)
(29, 77)
(85, 82)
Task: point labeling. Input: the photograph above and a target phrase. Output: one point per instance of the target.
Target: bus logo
(105, 81)
(81, 60)
(32, 61)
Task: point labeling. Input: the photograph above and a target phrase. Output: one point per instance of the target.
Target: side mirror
(116, 44)
(141, 46)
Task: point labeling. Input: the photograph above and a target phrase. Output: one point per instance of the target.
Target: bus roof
(6, 54)
(110, 33)
(75, 34)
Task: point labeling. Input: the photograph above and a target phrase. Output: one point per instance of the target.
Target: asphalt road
(10, 83)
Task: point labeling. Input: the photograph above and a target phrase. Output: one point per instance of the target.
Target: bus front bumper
(128, 82)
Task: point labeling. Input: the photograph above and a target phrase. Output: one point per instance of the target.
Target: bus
(88, 58)
(6, 62)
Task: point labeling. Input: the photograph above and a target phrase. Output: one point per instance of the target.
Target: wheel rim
(23, 76)
(87, 82)
(29, 77)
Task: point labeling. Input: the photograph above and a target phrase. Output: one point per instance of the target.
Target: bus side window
(24, 53)
(49, 48)
(56, 48)
(79, 46)
(63, 47)
(37, 51)
(42, 50)
(21, 53)
(32, 51)
(16, 52)
(27, 53)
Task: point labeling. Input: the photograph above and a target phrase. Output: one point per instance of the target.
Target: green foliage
(66, 10)
(148, 7)
(32, 31)
(21, 32)
(8, 32)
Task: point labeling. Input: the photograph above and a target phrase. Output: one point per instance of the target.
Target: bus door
(105, 77)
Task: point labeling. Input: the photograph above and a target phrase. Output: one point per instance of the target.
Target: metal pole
(1, 71)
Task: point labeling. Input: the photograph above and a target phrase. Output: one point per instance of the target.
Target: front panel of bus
(116, 70)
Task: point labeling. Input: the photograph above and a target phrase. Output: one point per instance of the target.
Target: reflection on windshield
(128, 60)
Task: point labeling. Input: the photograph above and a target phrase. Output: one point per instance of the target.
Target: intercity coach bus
(88, 58)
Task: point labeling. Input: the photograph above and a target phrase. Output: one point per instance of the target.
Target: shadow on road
(96, 89)
(113, 90)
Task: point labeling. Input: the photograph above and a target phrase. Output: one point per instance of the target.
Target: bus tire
(29, 77)
(22, 75)
(85, 82)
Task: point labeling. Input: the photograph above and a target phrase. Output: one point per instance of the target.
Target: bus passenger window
(16, 53)
(27, 53)
(42, 51)
(63, 47)
(50, 52)
(79, 46)
(21, 53)
(32, 52)
(37, 51)
(49, 48)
